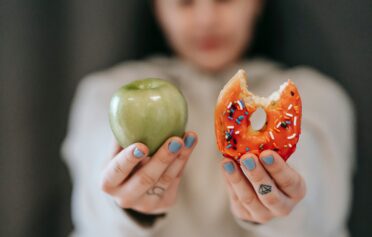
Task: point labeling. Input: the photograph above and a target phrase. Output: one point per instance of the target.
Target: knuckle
(118, 168)
(276, 170)
(165, 159)
(272, 199)
(288, 182)
(131, 159)
(234, 197)
(284, 212)
(166, 179)
(263, 219)
(257, 177)
(235, 179)
(146, 179)
(248, 199)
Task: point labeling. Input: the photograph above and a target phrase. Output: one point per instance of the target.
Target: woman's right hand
(148, 185)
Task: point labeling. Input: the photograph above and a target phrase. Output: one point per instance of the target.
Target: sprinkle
(229, 105)
(230, 118)
(290, 145)
(290, 106)
(228, 146)
(288, 122)
(292, 136)
(240, 103)
(247, 148)
(278, 124)
(271, 135)
(288, 114)
(267, 139)
(285, 146)
(295, 120)
(276, 146)
(237, 121)
(231, 127)
(241, 117)
(246, 112)
(261, 146)
(276, 130)
(237, 132)
(283, 124)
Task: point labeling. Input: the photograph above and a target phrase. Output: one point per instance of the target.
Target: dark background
(47, 46)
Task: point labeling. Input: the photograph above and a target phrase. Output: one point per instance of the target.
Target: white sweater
(325, 154)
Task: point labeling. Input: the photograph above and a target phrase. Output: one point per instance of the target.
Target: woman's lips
(209, 44)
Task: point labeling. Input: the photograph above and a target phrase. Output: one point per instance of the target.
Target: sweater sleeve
(325, 157)
(86, 149)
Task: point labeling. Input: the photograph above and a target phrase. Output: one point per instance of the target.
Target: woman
(121, 192)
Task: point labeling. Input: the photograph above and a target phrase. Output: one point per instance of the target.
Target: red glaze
(283, 120)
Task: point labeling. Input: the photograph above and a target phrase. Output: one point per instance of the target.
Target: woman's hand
(148, 185)
(268, 187)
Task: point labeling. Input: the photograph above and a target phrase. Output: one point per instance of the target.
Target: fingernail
(189, 140)
(137, 153)
(174, 146)
(268, 160)
(229, 167)
(249, 163)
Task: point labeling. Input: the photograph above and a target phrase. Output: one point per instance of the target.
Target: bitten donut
(235, 105)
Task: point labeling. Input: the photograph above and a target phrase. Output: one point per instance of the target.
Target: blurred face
(212, 34)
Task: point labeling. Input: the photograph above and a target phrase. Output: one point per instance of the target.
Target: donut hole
(258, 119)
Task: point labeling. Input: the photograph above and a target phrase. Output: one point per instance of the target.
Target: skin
(211, 35)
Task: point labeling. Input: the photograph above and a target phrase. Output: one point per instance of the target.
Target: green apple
(147, 111)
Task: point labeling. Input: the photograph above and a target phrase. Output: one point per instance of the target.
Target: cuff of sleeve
(247, 225)
(132, 220)
(143, 219)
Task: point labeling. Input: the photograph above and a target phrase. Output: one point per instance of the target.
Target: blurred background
(46, 47)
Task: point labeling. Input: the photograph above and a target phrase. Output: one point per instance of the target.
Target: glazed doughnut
(235, 105)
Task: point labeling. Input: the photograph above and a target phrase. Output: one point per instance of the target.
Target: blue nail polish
(268, 160)
(174, 146)
(189, 140)
(249, 163)
(137, 153)
(229, 167)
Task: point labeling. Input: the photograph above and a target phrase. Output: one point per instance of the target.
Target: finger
(270, 196)
(246, 195)
(148, 175)
(236, 207)
(172, 172)
(116, 149)
(121, 165)
(286, 178)
(190, 140)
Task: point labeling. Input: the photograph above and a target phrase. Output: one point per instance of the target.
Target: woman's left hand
(264, 187)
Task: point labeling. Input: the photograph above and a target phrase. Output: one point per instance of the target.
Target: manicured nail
(249, 163)
(189, 140)
(268, 160)
(174, 146)
(137, 153)
(229, 167)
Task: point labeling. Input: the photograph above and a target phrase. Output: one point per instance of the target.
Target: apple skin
(148, 111)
